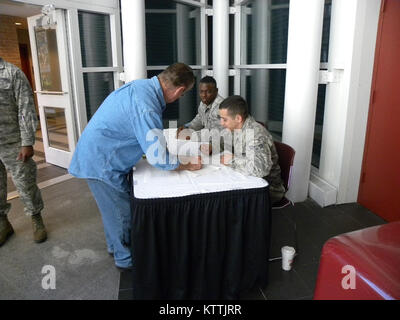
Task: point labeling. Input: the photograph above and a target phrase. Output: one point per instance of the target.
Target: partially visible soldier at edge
(254, 149)
(18, 123)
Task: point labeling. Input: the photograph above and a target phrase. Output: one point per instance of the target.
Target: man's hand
(193, 164)
(183, 133)
(206, 149)
(25, 153)
(179, 130)
(226, 159)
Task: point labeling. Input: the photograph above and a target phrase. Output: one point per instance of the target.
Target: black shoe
(124, 269)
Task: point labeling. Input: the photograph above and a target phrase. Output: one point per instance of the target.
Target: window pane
(265, 32)
(231, 86)
(56, 128)
(265, 106)
(326, 31)
(98, 85)
(184, 109)
(231, 39)
(49, 66)
(159, 4)
(160, 37)
(172, 33)
(280, 2)
(95, 34)
(210, 39)
(319, 122)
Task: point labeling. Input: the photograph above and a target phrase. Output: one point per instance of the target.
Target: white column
(261, 28)
(203, 38)
(352, 46)
(221, 45)
(302, 76)
(134, 35)
(241, 53)
(185, 56)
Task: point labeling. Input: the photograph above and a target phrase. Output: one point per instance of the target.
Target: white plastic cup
(287, 257)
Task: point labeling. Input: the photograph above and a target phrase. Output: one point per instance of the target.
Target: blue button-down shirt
(127, 124)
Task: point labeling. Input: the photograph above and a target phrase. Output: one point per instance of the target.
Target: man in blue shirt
(127, 125)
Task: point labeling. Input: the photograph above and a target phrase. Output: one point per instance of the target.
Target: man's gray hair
(178, 75)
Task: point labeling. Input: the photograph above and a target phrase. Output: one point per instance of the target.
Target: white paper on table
(159, 176)
(181, 147)
(220, 175)
(204, 171)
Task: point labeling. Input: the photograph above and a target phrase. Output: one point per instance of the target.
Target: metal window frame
(204, 12)
(106, 7)
(79, 70)
(240, 46)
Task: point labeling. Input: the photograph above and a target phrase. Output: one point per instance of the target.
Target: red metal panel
(373, 253)
(380, 178)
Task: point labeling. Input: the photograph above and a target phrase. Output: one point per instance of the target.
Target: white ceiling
(18, 9)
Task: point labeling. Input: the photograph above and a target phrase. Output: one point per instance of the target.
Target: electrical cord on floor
(296, 247)
(279, 258)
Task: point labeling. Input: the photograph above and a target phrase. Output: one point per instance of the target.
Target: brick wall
(9, 48)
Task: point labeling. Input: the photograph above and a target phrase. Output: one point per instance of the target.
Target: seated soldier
(254, 151)
(208, 112)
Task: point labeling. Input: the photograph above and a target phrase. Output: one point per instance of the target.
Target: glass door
(47, 35)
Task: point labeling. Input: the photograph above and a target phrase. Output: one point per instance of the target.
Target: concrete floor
(75, 247)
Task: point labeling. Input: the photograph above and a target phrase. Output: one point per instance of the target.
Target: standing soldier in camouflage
(18, 122)
(254, 151)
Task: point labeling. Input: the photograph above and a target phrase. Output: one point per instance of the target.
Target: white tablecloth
(150, 182)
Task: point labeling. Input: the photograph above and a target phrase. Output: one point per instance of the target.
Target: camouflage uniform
(255, 155)
(18, 122)
(207, 116)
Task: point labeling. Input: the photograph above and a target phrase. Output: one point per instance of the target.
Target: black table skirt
(206, 246)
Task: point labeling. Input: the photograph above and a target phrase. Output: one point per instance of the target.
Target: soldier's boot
(6, 229)
(39, 231)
